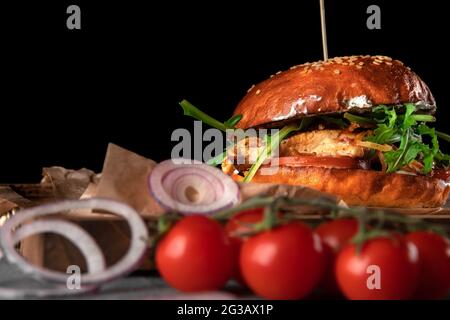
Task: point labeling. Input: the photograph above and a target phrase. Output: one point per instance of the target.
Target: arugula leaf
(272, 142)
(192, 111)
(232, 122)
(442, 158)
(336, 121)
(409, 121)
(217, 159)
(443, 136)
(383, 134)
(408, 130)
(359, 119)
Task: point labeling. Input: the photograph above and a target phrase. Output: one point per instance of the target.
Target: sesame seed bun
(338, 85)
(358, 84)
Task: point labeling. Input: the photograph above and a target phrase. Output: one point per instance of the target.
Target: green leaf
(382, 134)
(443, 159)
(192, 111)
(233, 121)
(443, 136)
(336, 121)
(424, 118)
(408, 130)
(409, 121)
(411, 152)
(217, 160)
(359, 119)
(272, 142)
(392, 117)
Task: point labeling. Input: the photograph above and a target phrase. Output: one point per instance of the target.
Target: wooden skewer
(324, 30)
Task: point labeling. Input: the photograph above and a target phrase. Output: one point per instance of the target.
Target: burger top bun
(336, 85)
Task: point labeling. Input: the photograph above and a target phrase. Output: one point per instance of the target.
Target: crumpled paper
(67, 183)
(124, 178)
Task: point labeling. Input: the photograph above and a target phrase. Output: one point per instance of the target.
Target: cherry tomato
(195, 255)
(335, 235)
(283, 263)
(239, 224)
(323, 161)
(386, 268)
(434, 255)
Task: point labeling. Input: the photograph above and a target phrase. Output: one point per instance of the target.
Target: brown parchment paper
(67, 183)
(124, 178)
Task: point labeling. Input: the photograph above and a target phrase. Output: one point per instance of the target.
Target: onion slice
(190, 186)
(11, 232)
(92, 253)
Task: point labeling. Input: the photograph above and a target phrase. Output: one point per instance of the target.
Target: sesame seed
(337, 71)
(345, 63)
(250, 89)
(361, 63)
(258, 92)
(359, 67)
(376, 62)
(278, 72)
(321, 69)
(388, 63)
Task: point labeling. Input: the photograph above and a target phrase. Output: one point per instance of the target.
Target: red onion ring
(129, 262)
(81, 239)
(95, 261)
(189, 186)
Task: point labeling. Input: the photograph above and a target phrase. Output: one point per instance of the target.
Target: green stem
(274, 142)
(359, 119)
(192, 111)
(443, 136)
(423, 118)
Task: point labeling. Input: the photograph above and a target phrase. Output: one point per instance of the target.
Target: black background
(66, 93)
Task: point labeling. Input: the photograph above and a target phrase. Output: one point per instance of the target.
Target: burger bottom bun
(368, 188)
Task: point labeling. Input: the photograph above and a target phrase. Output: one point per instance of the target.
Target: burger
(357, 127)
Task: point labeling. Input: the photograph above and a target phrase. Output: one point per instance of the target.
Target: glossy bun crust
(366, 187)
(337, 85)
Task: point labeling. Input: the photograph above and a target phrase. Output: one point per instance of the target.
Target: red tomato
(434, 255)
(239, 224)
(283, 263)
(335, 235)
(324, 161)
(384, 269)
(195, 255)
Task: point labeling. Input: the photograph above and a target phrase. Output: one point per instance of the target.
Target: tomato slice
(324, 162)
